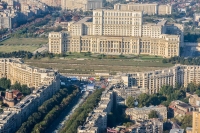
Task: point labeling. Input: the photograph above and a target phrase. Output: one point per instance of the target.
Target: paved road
(64, 116)
(42, 49)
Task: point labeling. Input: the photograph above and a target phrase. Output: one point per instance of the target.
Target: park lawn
(91, 66)
(150, 57)
(11, 48)
(26, 41)
(125, 57)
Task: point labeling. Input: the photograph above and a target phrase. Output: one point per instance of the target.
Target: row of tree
(44, 111)
(54, 113)
(17, 54)
(182, 60)
(81, 113)
(6, 84)
(27, 55)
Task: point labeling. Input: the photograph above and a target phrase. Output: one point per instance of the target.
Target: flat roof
(83, 20)
(162, 22)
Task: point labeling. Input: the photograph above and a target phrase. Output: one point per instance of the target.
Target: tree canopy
(81, 113)
(165, 95)
(130, 102)
(40, 120)
(182, 60)
(153, 114)
(4, 84)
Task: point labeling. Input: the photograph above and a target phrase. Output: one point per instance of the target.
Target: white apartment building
(143, 113)
(152, 81)
(146, 8)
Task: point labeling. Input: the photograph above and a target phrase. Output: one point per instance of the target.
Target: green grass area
(26, 41)
(11, 48)
(100, 56)
(94, 65)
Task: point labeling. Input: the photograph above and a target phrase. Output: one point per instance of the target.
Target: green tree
(130, 102)
(153, 114)
(143, 100)
(166, 90)
(4, 84)
(164, 61)
(186, 121)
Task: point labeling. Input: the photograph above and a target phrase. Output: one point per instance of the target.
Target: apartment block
(45, 82)
(96, 121)
(106, 103)
(180, 109)
(148, 126)
(196, 122)
(116, 32)
(142, 113)
(194, 100)
(152, 81)
(17, 71)
(146, 8)
(84, 5)
(123, 93)
(7, 18)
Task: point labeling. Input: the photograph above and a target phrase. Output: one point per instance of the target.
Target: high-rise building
(196, 122)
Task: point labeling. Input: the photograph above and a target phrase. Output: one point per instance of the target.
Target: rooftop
(162, 22)
(85, 19)
(176, 130)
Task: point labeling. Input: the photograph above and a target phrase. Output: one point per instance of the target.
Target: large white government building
(116, 32)
(152, 81)
(45, 83)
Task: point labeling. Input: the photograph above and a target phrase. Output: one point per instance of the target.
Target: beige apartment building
(143, 113)
(146, 8)
(115, 32)
(84, 5)
(196, 122)
(152, 81)
(194, 100)
(96, 122)
(16, 71)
